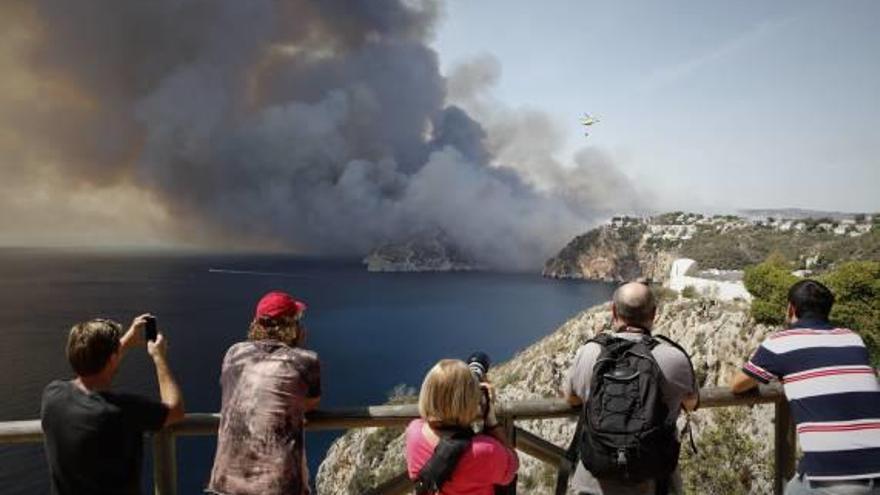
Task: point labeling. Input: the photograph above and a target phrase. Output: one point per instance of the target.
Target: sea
(373, 332)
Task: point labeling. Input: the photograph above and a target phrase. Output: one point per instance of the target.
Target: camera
(479, 363)
(150, 331)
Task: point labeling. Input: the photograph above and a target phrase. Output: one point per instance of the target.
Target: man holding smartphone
(94, 436)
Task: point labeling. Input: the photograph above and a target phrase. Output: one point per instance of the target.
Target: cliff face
(629, 248)
(427, 252)
(613, 254)
(718, 336)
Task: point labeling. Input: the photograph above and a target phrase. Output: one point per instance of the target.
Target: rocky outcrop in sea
(735, 443)
(426, 252)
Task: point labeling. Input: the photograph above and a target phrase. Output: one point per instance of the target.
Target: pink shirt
(485, 463)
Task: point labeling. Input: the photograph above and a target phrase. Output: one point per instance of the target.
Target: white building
(725, 286)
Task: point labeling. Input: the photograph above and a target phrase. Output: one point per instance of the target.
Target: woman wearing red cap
(269, 382)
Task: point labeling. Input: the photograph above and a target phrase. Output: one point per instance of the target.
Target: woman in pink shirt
(450, 402)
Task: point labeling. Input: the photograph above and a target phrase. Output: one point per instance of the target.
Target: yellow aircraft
(587, 121)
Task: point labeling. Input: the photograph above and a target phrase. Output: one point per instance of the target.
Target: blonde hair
(450, 395)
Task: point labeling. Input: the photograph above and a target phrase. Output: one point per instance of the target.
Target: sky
(706, 105)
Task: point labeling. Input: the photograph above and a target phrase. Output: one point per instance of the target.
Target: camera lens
(479, 363)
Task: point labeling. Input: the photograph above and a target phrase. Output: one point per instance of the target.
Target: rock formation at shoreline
(613, 253)
(427, 252)
(719, 337)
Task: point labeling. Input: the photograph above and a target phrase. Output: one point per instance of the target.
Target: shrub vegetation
(739, 248)
(856, 288)
(730, 460)
(689, 292)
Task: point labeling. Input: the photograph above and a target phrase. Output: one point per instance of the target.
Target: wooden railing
(202, 424)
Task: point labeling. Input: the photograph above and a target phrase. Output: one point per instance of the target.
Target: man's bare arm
(742, 383)
(169, 391)
(134, 336)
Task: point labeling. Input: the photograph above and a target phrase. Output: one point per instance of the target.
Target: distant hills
(796, 213)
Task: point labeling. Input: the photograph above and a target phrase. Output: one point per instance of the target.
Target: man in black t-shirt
(93, 436)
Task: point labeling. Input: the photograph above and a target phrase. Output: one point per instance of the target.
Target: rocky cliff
(426, 252)
(614, 253)
(628, 248)
(735, 444)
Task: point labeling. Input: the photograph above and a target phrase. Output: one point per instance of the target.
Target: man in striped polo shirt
(833, 392)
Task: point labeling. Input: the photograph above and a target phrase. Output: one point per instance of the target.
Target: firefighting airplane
(587, 121)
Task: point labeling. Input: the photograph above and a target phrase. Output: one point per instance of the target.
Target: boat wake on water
(256, 273)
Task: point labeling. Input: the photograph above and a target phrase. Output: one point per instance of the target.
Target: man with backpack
(632, 386)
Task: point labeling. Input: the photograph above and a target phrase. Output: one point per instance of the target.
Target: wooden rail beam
(397, 415)
(28, 431)
(541, 449)
(165, 461)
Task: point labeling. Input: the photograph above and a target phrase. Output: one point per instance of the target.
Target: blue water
(371, 331)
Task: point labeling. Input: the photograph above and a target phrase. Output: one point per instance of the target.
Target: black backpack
(626, 433)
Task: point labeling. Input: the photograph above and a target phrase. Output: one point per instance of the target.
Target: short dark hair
(810, 299)
(90, 345)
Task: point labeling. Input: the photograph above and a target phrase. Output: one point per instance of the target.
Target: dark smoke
(322, 125)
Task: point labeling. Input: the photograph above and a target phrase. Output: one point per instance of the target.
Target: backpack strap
(602, 339)
(443, 461)
(671, 342)
(688, 429)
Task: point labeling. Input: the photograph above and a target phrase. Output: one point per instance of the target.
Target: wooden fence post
(164, 463)
(785, 449)
(509, 428)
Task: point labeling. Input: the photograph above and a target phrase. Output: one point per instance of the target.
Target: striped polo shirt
(834, 396)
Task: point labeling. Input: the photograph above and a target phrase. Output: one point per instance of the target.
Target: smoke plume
(323, 127)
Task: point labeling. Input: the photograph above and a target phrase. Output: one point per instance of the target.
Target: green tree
(730, 460)
(856, 288)
(768, 283)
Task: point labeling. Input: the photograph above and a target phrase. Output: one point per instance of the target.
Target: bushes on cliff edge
(768, 283)
(730, 460)
(856, 288)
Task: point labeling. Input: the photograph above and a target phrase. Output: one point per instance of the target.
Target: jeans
(800, 486)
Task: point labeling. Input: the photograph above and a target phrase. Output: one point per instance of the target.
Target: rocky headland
(627, 248)
(425, 252)
(719, 336)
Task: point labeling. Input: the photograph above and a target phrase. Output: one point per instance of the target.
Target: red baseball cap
(277, 303)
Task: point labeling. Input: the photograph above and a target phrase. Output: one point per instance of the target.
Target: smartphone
(150, 328)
